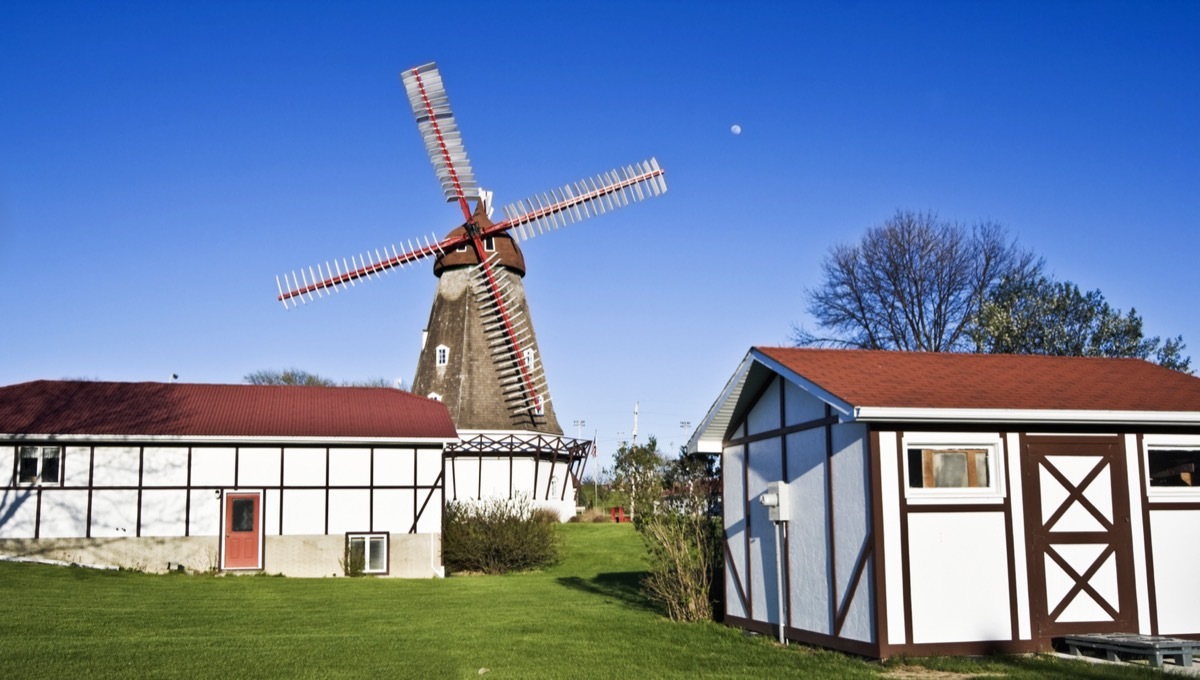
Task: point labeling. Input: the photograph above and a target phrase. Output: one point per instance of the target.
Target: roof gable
(48, 407)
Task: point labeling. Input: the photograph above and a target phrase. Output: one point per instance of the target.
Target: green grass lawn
(581, 619)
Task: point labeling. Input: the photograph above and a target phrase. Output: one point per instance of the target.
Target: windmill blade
(320, 279)
(522, 379)
(443, 142)
(581, 200)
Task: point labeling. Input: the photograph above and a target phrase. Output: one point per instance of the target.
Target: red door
(242, 532)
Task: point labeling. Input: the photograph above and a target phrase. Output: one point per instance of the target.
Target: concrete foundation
(409, 555)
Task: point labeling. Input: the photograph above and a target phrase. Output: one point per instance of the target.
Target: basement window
(371, 550)
(39, 465)
(942, 470)
(1173, 468)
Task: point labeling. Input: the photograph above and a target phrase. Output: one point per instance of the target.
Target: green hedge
(496, 536)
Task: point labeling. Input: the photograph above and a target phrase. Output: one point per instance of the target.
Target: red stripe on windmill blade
(596, 196)
(443, 142)
(361, 266)
(510, 336)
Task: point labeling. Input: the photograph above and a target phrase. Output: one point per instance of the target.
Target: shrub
(684, 555)
(354, 559)
(496, 536)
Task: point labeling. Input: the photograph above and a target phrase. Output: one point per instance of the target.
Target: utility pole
(635, 417)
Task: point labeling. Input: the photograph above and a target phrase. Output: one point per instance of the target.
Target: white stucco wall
(733, 462)
(959, 577)
(852, 527)
(809, 532)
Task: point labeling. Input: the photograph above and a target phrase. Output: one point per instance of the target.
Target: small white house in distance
(957, 503)
(278, 479)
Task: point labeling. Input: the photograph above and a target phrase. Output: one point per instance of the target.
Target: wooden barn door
(1077, 525)
(243, 530)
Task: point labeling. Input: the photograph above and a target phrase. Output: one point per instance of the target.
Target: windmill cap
(465, 255)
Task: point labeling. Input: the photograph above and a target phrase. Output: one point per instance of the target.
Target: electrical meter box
(775, 499)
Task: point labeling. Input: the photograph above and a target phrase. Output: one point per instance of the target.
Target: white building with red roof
(159, 476)
(894, 503)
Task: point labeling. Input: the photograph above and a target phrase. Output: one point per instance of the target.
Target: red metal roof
(180, 409)
(864, 378)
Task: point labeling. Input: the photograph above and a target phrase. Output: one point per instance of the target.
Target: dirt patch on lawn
(919, 673)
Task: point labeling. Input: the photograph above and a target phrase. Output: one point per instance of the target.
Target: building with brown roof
(280, 479)
(921, 503)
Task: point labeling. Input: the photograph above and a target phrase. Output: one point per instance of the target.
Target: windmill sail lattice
(431, 108)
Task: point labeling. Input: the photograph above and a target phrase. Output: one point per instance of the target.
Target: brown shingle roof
(178, 409)
(865, 378)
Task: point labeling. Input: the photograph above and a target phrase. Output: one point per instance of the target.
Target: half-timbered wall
(546, 484)
(828, 542)
(952, 574)
(1171, 516)
(156, 491)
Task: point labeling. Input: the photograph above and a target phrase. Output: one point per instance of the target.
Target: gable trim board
(157, 501)
(1068, 537)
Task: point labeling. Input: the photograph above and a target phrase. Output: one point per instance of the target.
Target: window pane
(243, 514)
(50, 465)
(27, 472)
(948, 469)
(378, 554)
(1173, 467)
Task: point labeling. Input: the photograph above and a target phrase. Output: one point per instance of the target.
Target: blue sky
(160, 163)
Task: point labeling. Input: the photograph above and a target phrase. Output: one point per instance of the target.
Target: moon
(736, 129)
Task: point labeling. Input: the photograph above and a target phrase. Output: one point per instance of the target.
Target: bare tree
(915, 282)
(295, 376)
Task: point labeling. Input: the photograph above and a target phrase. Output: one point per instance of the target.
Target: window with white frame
(1173, 468)
(489, 244)
(945, 468)
(539, 405)
(527, 356)
(39, 465)
(368, 550)
(442, 355)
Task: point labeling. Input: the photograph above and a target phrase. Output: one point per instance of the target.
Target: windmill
(480, 354)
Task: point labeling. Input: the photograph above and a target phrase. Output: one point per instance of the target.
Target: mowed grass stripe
(583, 618)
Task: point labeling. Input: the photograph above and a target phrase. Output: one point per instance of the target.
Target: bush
(354, 559)
(496, 536)
(685, 551)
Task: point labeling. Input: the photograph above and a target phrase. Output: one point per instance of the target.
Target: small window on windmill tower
(489, 244)
(443, 355)
(527, 355)
(539, 406)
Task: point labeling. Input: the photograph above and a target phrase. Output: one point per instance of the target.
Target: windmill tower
(480, 354)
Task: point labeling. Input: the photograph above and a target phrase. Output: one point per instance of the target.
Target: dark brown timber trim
(737, 579)
(141, 485)
(432, 490)
(784, 431)
(860, 565)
